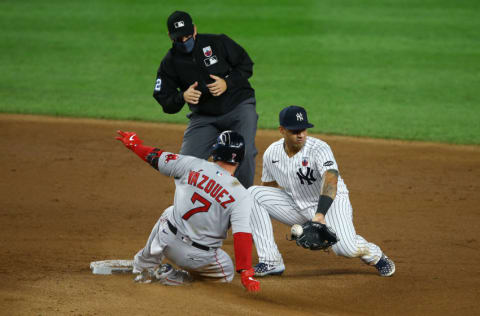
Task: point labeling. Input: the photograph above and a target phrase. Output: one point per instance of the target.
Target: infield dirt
(72, 194)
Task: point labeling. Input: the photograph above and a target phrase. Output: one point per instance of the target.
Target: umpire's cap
(294, 118)
(229, 147)
(179, 24)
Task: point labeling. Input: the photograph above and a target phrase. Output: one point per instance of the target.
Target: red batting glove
(129, 139)
(250, 284)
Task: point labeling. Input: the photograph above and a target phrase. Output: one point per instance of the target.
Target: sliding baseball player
(190, 233)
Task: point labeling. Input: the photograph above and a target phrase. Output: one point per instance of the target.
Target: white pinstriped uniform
(300, 178)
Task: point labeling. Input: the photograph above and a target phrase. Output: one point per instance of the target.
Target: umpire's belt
(194, 244)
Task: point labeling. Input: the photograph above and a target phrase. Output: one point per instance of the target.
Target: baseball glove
(316, 236)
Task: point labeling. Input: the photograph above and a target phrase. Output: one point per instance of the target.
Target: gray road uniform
(191, 231)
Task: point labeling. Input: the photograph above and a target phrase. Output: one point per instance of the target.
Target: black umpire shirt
(213, 54)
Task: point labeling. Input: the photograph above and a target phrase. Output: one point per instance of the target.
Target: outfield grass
(388, 69)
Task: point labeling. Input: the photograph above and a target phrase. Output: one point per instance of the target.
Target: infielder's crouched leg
(269, 202)
(351, 245)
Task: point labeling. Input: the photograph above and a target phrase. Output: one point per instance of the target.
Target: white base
(111, 266)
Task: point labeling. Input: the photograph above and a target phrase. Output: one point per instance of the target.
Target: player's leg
(199, 136)
(148, 261)
(151, 256)
(243, 119)
(340, 218)
(146, 258)
(163, 243)
(212, 265)
(270, 202)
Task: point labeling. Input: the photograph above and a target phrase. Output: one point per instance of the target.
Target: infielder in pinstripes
(191, 231)
(301, 182)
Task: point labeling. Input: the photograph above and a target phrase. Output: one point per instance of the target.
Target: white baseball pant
(214, 264)
(276, 203)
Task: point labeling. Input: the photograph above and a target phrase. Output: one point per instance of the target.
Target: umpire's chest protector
(208, 57)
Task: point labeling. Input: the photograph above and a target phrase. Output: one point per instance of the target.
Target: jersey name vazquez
(210, 186)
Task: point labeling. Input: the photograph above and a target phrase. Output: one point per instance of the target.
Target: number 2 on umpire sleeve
(204, 208)
(158, 84)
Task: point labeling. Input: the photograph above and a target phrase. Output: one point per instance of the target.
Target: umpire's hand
(218, 87)
(191, 95)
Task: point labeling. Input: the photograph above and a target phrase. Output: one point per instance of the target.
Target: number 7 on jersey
(203, 208)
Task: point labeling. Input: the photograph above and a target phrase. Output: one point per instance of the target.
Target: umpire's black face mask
(184, 47)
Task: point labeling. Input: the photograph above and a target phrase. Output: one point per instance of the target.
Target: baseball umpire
(208, 199)
(209, 72)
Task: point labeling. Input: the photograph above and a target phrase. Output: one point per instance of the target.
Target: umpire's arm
(239, 61)
(166, 90)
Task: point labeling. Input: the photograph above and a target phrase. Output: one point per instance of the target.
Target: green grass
(388, 69)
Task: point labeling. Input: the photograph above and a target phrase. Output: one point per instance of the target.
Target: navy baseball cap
(294, 118)
(179, 24)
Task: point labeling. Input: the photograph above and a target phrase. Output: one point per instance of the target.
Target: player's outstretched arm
(242, 243)
(132, 142)
(328, 192)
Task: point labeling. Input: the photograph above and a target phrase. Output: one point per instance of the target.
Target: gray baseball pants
(203, 130)
(214, 264)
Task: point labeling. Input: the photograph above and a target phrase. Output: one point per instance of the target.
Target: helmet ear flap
(229, 147)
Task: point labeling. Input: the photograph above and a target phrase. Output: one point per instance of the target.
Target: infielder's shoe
(385, 266)
(263, 269)
(168, 275)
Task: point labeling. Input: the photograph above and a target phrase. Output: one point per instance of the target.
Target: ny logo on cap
(299, 117)
(179, 24)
